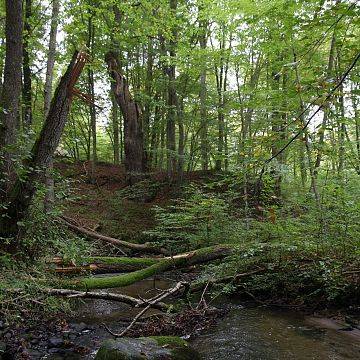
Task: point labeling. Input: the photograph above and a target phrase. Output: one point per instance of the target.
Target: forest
(180, 179)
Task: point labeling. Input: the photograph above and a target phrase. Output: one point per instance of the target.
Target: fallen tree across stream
(162, 264)
(105, 264)
(102, 295)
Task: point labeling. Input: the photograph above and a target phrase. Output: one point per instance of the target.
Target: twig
(202, 298)
(151, 302)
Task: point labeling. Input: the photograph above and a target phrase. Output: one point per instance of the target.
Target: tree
(20, 196)
(49, 180)
(10, 95)
(135, 160)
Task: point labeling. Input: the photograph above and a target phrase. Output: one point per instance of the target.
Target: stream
(249, 333)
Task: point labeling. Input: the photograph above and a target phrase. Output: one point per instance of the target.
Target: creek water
(263, 334)
(244, 333)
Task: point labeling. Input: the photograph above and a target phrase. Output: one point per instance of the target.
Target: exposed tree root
(183, 260)
(145, 248)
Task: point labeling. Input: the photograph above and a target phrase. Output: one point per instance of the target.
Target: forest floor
(106, 205)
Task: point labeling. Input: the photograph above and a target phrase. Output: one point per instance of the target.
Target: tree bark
(172, 100)
(22, 193)
(27, 94)
(203, 95)
(192, 258)
(115, 128)
(147, 248)
(148, 93)
(49, 180)
(326, 109)
(91, 88)
(129, 300)
(135, 160)
(11, 90)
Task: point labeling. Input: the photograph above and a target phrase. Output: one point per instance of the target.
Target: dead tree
(20, 196)
(135, 159)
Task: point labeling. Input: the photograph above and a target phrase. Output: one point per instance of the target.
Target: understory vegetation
(290, 253)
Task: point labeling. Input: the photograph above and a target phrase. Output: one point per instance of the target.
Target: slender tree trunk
(91, 87)
(355, 105)
(181, 146)
(221, 86)
(27, 91)
(11, 90)
(172, 100)
(326, 109)
(49, 180)
(341, 120)
(307, 141)
(155, 129)
(203, 25)
(148, 93)
(51, 56)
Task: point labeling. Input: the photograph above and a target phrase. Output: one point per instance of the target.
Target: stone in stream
(151, 348)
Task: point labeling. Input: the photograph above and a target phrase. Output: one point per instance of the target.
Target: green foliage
(142, 191)
(198, 219)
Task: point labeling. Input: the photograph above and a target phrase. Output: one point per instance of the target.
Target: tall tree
(135, 159)
(49, 180)
(91, 89)
(203, 30)
(27, 90)
(11, 90)
(172, 97)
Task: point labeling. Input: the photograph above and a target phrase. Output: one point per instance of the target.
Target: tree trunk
(172, 99)
(49, 180)
(183, 260)
(181, 146)
(355, 105)
(203, 94)
(115, 126)
(11, 90)
(22, 193)
(148, 93)
(326, 109)
(135, 160)
(26, 92)
(147, 248)
(91, 89)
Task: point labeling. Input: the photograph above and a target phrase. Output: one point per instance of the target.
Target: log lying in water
(145, 248)
(129, 300)
(183, 260)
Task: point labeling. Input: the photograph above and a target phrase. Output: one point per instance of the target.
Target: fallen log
(183, 260)
(146, 248)
(104, 264)
(129, 300)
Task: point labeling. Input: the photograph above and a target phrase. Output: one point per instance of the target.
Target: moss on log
(125, 261)
(191, 258)
(104, 264)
